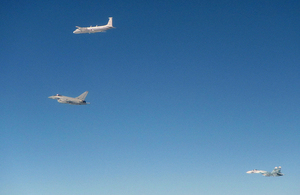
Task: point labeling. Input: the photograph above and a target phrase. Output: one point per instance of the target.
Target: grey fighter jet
(94, 29)
(275, 173)
(69, 100)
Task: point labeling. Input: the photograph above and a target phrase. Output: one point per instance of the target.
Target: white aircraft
(94, 29)
(275, 173)
(69, 100)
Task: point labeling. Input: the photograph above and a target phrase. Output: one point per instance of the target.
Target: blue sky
(186, 96)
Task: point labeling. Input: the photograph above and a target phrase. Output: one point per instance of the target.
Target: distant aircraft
(94, 29)
(275, 173)
(69, 100)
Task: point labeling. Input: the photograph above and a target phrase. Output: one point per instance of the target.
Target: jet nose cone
(249, 172)
(51, 97)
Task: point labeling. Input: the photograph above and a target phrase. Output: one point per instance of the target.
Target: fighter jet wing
(276, 170)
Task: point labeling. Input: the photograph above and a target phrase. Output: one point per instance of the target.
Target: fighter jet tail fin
(110, 22)
(82, 96)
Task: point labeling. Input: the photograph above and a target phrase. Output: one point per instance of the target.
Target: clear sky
(186, 96)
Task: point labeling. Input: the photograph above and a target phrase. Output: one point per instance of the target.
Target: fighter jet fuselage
(70, 100)
(94, 29)
(270, 174)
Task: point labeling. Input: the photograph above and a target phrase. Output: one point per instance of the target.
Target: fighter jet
(275, 173)
(69, 100)
(94, 29)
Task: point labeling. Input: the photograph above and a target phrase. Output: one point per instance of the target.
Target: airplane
(94, 29)
(275, 173)
(69, 100)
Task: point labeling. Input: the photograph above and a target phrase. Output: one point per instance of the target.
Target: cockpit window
(58, 95)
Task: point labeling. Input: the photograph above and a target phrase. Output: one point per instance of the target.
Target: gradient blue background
(186, 96)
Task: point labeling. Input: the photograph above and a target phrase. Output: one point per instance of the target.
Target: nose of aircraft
(249, 172)
(51, 97)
